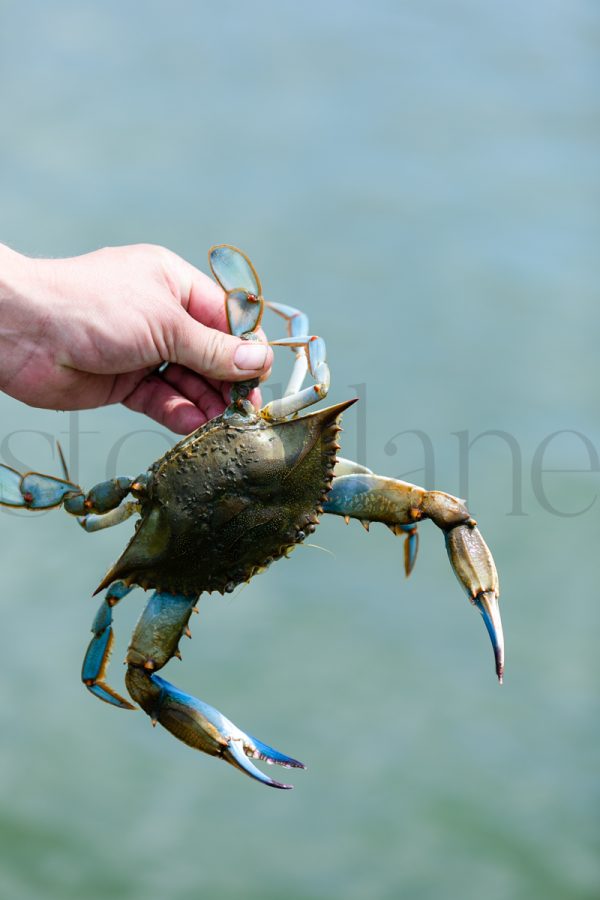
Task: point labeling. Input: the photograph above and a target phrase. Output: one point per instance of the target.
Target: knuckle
(173, 341)
(156, 258)
(151, 251)
(213, 350)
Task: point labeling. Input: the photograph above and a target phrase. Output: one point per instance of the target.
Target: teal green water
(423, 180)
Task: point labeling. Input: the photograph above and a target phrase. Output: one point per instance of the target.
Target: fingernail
(250, 356)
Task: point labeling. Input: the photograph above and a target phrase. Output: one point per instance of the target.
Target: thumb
(215, 354)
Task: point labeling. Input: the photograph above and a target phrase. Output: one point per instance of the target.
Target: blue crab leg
(36, 491)
(107, 494)
(96, 522)
(400, 505)
(237, 276)
(244, 312)
(97, 656)
(10, 487)
(154, 642)
(297, 325)
(204, 728)
(244, 304)
(33, 490)
(314, 349)
(233, 269)
(349, 467)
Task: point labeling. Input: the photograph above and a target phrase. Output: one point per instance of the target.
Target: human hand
(91, 330)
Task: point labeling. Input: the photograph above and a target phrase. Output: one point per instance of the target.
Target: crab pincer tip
(237, 755)
(499, 658)
(487, 604)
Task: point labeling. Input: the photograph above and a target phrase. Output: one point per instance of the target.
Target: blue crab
(223, 504)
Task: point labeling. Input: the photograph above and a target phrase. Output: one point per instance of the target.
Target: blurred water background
(422, 178)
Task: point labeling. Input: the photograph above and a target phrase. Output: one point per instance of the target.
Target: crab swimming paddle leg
(155, 641)
(244, 303)
(33, 490)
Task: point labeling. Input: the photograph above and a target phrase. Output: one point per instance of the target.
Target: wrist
(20, 320)
(15, 274)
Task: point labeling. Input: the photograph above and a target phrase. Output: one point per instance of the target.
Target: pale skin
(91, 330)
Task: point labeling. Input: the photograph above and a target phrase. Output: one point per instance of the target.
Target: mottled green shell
(228, 500)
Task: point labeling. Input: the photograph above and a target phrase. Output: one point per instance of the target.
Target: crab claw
(203, 727)
(239, 749)
(487, 604)
(474, 567)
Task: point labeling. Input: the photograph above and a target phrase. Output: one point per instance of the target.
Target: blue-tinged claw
(235, 754)
(233, 269)
(44, 491)
(411, 547)
(203, 727)
(474, 567)
(244, 311)
(10, 487)
(487, 604)
(270, 755)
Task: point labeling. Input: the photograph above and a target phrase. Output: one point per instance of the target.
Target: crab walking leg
(349, 467)
(297, 325)
(314, 349)
(155, 641)
(398, 504)
(298, 375)
(96, 522)
(97, 656)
